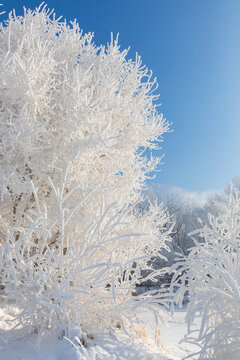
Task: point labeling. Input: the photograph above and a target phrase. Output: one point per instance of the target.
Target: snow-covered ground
(174, 333)
(19, 345)
(170, 336)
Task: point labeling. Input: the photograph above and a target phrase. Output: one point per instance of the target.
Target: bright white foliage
(75, 122)
(63, 97)
(211, 275)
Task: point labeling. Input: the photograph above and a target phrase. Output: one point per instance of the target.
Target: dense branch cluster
(210, 273)
(76, 119)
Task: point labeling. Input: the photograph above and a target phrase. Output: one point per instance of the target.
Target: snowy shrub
(85, 281)
(211, 275)
(76, 121)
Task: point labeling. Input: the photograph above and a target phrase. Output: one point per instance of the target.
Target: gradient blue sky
(193, 48)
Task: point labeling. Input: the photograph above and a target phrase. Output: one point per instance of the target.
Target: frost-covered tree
(75, 122)
(210, 273)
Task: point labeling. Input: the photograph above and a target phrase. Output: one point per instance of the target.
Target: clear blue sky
(193, 48)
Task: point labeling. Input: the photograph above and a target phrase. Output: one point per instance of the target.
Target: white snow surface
(19, 345)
